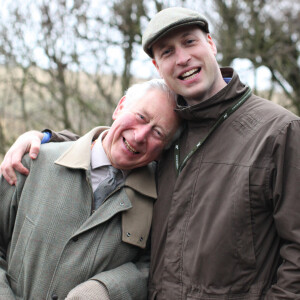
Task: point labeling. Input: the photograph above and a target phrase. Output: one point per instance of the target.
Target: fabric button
(122, 203)
(128, 234)
(141, 239)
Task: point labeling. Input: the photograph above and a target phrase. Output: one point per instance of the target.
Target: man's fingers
(8, 171)
(9, 174)
(35, 148)
(27, 142)
(12, 162)
(18, 166)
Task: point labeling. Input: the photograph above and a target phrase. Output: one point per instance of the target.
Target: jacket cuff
(125, 282)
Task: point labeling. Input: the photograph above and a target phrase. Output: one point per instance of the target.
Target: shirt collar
(78, 156)
(98, 155)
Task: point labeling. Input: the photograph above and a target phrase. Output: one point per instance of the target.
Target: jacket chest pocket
(220, 228)
(16, 258)
(248, 209)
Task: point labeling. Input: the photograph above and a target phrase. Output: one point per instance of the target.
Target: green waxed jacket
(50, 241)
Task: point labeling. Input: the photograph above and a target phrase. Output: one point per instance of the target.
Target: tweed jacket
(50, 238)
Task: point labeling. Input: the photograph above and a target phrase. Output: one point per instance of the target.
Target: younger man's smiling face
(185, 59)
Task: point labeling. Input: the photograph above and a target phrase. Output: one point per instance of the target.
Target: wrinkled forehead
(156, 100)
(159, 106)
(164, 97)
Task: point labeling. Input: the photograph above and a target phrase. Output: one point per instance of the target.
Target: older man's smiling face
(141, 131)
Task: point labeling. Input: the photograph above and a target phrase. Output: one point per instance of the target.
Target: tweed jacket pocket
(17, 257)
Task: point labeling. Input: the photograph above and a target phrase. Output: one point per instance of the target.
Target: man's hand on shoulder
(28, 142)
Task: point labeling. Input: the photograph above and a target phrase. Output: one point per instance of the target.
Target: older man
(62, 233)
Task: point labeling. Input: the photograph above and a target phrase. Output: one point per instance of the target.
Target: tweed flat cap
(167, 20)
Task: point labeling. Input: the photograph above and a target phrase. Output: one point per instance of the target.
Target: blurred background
(66, 63)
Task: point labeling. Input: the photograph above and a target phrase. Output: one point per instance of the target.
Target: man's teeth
(130, 148)
(189, 74)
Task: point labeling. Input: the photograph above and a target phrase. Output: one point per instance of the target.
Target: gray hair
(138, 90)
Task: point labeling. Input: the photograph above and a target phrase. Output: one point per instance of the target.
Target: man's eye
(141, 117)
(158, 133)
(190, 41)
(166, 52)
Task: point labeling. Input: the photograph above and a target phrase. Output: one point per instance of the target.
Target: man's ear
(156, 66)
(212, 44)
(119, 108)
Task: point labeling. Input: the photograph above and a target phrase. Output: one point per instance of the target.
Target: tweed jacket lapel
(135, 200)
(78, 156)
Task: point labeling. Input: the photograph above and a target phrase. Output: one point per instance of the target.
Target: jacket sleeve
(90, 289)
(8, 208)
(128, 281)
(62, 136)
(286, 211)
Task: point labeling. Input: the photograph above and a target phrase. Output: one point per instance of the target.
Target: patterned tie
(106, 186)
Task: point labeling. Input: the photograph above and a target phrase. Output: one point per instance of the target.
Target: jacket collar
(78, 156)
(212, 108)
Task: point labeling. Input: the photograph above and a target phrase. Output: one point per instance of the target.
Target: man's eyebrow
(164, 131)
(185, 34)
(163, 44)
(143, 112)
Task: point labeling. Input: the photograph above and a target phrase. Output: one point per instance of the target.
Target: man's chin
(127, 166)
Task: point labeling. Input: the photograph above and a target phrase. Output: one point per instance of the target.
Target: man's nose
(182, 56)
(142, 132)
